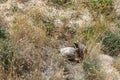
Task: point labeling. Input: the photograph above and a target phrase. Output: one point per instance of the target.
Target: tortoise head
(76, 44)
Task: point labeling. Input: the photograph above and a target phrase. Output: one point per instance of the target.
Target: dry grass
(23, 29)
(117, 63)
(29, 44)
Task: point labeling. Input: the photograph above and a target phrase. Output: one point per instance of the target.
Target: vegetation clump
(23, 1)
(2, 33)
(91, 68)
(59, 2)
(33, 31)
(6, 52)
(101, 6)
(2, 1)
(111, 42)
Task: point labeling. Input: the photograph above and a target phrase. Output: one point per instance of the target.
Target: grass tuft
(2, 1)
(101, 6)
(6, 53)
(91, 68)
(23, 1)
(60, 2)
(111, 42)
(2, 34)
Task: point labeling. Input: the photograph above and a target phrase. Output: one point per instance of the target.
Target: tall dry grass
(30, 51)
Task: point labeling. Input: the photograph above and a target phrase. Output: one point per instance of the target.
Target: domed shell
(68, 51)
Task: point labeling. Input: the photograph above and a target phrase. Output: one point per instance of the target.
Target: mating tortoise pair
(74, 53)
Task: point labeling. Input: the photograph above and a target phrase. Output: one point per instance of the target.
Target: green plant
(14, 8)
(49, 26)
(91, 68)
(6, 53)
(22, 1)
(2, 34)
(2, 1)
(59, 2)
(101, 6)
(88, 32)
(111, 42)
(101, 3)
(118, 24)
